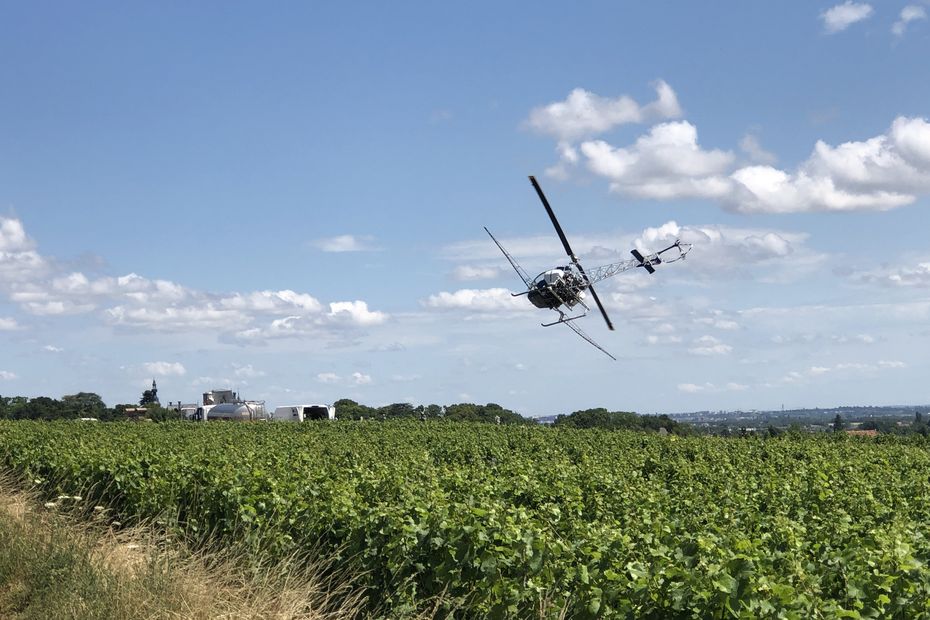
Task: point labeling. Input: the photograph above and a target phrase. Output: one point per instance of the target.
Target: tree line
(91, 405)
(75, 407)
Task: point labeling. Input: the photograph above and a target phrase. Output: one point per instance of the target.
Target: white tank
(237, 412)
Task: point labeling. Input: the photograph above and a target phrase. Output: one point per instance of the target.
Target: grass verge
(55, 565)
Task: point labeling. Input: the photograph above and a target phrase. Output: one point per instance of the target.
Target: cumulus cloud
(879, 173)
(910, 13)
(359, 378)
(52, 349)
(477, 300)
(8, 324)
(355, 313)
(842, 16)
(767, 255)
(327, 377)
(165, 369)
(44, 288)
(345, 243)
(6, 375)
(19, 261)
(584, 113)
(666, 163)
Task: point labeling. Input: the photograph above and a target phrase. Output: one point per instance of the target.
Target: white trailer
(300, 413)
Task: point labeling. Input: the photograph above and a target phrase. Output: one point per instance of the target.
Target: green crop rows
(525, 521)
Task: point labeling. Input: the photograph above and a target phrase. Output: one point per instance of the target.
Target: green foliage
(616, 420)
(517, 521)
(347, 409)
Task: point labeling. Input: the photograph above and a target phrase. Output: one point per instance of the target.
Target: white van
(299, 413)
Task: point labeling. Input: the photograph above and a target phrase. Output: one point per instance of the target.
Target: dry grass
(55, 565)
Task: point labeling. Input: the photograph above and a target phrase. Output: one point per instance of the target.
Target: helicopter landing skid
(562, 319)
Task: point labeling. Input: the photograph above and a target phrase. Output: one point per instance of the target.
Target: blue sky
(290, 201)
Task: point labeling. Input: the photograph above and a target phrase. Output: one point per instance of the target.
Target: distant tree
(918, 417)
(11, 407)
(397, 410)
(84, 405)
(347, 409)
(469, 412)
(838, 424)
(43, 408)
(602, 418)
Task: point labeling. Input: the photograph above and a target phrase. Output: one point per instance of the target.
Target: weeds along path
(53, 564)
(486, 521)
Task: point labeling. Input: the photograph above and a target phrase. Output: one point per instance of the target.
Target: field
(509, 521)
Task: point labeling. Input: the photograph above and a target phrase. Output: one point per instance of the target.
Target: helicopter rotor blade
(555, 222)
(597, 300)
(581, 333)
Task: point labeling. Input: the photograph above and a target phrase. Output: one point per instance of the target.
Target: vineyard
(513, 521)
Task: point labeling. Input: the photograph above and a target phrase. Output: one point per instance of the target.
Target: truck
(301, 413)
(225, 405)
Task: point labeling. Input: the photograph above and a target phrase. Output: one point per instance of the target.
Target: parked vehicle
(301, 413)
(238, 412)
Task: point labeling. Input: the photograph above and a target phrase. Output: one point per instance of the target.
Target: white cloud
(355, 313)
(281, 302)
(247, 371)
(584, 113)
(842, 16)
(891, 364)
(327, 377)
(52, 349)
(750, 145)
(19, 262)
(6, 375)
(132, 301)
(666, 163)
(165, 369)
(13, 236)
(899, 277)
(475, 272)
(910, 13)
(708, 345)
(184, 318)
(840, 370)
(8, 324)
(359, 378)
(695, 388)
(880, 173)
(345, 243)
(478, 300)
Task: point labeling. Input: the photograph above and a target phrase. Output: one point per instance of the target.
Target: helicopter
(566, 287)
